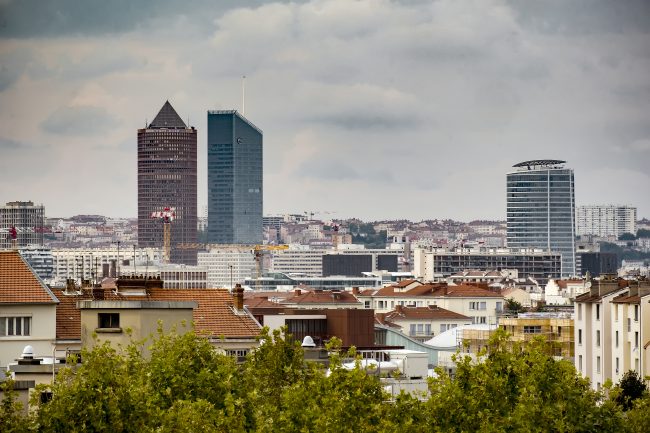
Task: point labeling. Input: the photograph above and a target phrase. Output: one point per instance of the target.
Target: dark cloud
(583, 17)
(79, 121)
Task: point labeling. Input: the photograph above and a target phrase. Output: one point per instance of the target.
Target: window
(412, 329)
(483, 306)
(479, 319)
(499, 306)
(616, 338)
(629, 324)
(580, 363)
(617, 365)
(579, 336)
(15, 326)
(366, 304)
(597, 311)
(598, 364)
(636, 313)
(636, 340)
(443, 328)
(427, 329)
(108, 320)
(559, 331)
(532, 329)
(598, 338)
(616, 313)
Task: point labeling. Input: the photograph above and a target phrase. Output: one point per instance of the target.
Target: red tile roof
(437, 290)
(18, 282)
(322, 297)
(214, 315)
(431, 312)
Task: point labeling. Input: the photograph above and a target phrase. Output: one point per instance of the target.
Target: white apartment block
(612, 331)
(228, 265)
(297, 260)
(89, 263)
(606, 220)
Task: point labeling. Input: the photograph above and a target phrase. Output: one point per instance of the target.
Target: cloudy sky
(375, 109)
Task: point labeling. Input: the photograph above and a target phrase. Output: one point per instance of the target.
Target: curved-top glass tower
(541, 209)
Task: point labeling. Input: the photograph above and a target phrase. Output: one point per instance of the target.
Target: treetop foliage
(184, 385)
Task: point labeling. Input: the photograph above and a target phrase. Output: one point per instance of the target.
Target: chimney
(297, 292)
(238, 296)
(399, 309)
(355, 290)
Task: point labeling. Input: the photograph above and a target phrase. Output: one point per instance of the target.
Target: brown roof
(213, 316)
(322, 297)
(260, 302)
(421, 290)
(625, 299)
(465, 291)
(431, 312)
(18, 282)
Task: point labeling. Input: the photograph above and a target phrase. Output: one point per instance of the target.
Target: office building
(597, 263)
(40, 259)
(432, 263)
(235, 188)
(167, 179)
(228, 266)
(354, 265)
(606, 220)
(26, 218)
(541, 209)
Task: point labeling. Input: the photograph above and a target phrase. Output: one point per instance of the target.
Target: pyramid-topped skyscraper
(167, 156)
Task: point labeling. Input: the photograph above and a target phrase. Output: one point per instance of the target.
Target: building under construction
(555, 328)
(21, 221)
(167, 156)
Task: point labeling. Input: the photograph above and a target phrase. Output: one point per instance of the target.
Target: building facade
(605, 220)
(235, 187)
(541, 209)
(167, 179)
(26, 218)
(228, 266)
(612, 330)
(433, 263)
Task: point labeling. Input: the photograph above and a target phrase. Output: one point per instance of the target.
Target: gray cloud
(429, 102)
(79, 121)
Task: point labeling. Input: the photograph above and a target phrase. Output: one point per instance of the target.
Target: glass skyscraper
(541, 209)
(234, 179)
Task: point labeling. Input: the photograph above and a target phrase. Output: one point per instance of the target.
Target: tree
(11, 419)
(631, 388)
(643, 233)
(513, 306)
(627, 237)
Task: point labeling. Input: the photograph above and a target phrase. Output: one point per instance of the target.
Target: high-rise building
(606, 220)
(541, 209)
(167, 179)
(26, 218)
(234, 179)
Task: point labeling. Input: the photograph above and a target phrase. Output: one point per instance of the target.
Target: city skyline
(366, 107)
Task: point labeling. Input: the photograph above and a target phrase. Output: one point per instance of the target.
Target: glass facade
(234, 179)
(541, 210)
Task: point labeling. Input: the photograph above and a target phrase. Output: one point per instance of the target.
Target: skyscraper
(167, 178)
(541, 209)
(26, 218)
(605, 220)
(234, 179)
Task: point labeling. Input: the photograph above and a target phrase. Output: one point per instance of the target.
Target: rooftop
(19, 284)
(167, 117)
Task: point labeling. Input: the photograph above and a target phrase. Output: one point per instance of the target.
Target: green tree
(513, 306)
(631, 388)
(627, 237)
(11, 417)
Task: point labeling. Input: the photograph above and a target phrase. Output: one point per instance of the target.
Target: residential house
(423, 323)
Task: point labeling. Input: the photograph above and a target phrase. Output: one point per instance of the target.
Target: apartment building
(605, 220)
(431, 263)
(26, 219)
(612, 330)
(480, 305)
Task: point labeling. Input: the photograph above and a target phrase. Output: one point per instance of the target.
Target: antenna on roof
(243, 95)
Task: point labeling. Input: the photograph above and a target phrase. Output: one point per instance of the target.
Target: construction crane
(167, 215)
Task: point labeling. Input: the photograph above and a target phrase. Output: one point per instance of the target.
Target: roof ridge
(167, 117)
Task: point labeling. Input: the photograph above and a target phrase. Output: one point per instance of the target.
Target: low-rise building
(423, 323)
(481, 305)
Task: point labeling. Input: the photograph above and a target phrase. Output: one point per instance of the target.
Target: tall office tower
(607, 220)
(28, 221)
(167, 178)
(234, 179)
(541, 209)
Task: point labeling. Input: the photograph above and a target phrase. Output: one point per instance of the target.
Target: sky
(372, 109)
